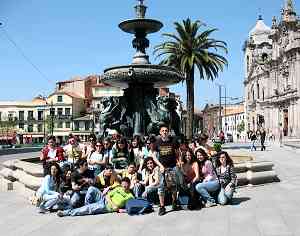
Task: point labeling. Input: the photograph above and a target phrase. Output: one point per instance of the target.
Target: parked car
(229, 138)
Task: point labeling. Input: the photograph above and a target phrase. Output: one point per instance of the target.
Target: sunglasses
(99, 145)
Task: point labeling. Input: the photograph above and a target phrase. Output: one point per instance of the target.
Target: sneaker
(162, 211)
(176, 207)
(60, 213)
(210, 204)
(42, 210)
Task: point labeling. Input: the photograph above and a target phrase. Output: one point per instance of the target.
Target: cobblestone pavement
(266, 210)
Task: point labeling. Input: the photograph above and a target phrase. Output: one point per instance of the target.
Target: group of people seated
(103, 175)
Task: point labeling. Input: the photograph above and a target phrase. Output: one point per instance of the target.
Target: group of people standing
(254, 135)
(101, 176)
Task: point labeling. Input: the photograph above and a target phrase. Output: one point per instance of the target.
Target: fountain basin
(148, 26)
(156, 75)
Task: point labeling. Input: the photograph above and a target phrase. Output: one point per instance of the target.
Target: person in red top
(51, 153)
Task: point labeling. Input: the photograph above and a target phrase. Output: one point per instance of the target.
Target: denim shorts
(168, 180)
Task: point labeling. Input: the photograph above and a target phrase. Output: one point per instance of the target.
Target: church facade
(272, 74)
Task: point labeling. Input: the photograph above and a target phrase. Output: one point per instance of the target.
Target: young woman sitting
(49, 189)
(190, 172)
(97, 161)
(210, 183)
(151, 179)
(227, 177)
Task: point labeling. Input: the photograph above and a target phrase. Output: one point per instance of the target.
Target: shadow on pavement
(238, 200)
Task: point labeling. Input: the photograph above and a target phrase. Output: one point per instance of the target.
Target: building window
(87, 125)
(263, 95)
(264, 57)
(40, 127)
(253, 95)
(247, 64)
(68, 125)
(257, 91)
(59, 111)
(30, 128)
(76, 124)
(40, 115)
(67, 111)
(21, 115)
(30, 115)
(21, 125)
(59, 98)
(52, 111)
(59, 125)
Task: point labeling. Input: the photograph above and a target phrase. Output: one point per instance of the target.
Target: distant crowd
(105, 175)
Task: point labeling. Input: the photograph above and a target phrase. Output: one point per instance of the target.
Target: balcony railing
(60, 117)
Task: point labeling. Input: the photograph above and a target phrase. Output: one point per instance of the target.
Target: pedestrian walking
(253, 140)
(262, 139)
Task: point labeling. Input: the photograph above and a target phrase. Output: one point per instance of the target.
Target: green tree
(241, 127)
(188, 48)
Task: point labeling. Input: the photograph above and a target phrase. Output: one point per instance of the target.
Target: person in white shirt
(97, 161)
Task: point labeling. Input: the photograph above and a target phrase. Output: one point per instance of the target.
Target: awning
(6, 138)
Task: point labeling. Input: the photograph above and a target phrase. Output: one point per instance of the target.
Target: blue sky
(68, 38)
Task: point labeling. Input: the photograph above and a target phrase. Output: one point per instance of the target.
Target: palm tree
(187, 49)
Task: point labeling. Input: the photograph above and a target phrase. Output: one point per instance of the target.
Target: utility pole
(220, 107)
(52, 118)
(225, 109)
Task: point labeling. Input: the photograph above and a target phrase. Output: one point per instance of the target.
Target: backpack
(138, 206)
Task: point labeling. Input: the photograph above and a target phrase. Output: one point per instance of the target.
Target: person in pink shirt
(210, 183)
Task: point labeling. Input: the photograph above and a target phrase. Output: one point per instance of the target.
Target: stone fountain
(140, 112)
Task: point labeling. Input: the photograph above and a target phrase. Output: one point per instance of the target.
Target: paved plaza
(266, 210)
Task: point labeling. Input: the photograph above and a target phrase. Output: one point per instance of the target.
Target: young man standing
(168, 151)
(97, 202)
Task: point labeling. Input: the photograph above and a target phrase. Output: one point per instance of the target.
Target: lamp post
(220, 104)
(52, 117)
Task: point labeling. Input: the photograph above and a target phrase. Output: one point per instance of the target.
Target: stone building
(233, 120)
(211, 119)
(23, 121)
(272, 74)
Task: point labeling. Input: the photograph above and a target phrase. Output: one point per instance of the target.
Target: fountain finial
(141, 2)
(140, 9)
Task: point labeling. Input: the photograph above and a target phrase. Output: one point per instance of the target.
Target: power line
(24, 55)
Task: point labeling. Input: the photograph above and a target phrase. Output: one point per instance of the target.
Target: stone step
(255, 178)
(253, 166)
(7, 174)
(5, 184)
(21, 189)
(30, 168)
(10, 164)
(28, 180)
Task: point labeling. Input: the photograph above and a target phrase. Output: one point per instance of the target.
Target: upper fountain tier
(141, 71)
(140, 24)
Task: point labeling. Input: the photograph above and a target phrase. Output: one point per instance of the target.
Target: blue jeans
(137, 190)
(253, 147)
(205, 188)
(95, 203)
(225, 196)
(150, 193)
(56, 203)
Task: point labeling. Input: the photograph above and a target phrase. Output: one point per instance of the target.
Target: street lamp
(220, 104)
